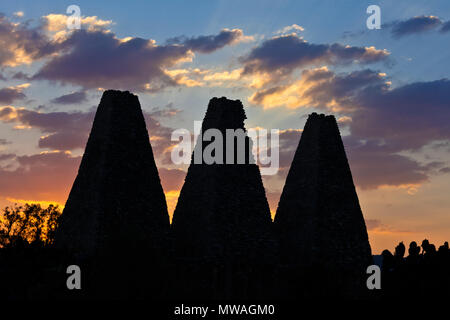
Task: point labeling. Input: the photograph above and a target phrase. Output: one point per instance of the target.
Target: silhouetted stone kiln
(115, 222)
(319, 220)
(222, 220)
(117, 206)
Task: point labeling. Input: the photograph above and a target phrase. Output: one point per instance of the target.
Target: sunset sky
(388, 88)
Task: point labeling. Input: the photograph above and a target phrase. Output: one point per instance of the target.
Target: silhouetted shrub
(26, 225)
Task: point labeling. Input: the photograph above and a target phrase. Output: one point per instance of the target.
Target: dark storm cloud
(8, 95)
(285, 53)
(71, 98)
(414, 25)
(210, 43)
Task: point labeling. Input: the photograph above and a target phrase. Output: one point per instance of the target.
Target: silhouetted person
(425, 246)
(388, 260)
(444, 247)
(432, 249)
(414, 249)
(428, 251)
(443, 256)
(388, 270)
(400, 250)
(414, 253)
(424, 274)
(399, 253)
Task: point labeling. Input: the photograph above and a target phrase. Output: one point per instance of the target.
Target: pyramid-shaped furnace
(319, 220)
(116, 200)
(222, 213)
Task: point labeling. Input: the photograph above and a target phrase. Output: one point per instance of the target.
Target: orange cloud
(41, 177)
(171, 199)
(56, 25)
(224, 75)
(295, 94)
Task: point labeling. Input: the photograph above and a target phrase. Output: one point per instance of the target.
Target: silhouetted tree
(28, 225)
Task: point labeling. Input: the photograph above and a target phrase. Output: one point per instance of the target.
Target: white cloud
(294, 27)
